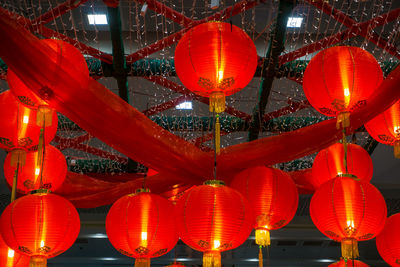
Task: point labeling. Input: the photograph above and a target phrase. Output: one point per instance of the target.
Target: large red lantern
(212, 218)
(348, 263)
(273, 197)
(48, 174)
(215, 59)
(339, 80)
(10, 258)
(385, 128)
(65, 53)
(142, 226)
(19, 129)
(388, 241)
(40, 225)
(347, 210)
(330, 163)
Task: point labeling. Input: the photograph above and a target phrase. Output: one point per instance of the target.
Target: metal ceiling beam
(270, 64)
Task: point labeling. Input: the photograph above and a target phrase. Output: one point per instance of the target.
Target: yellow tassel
(44, 116)
(260, 258)
(263, 237)
(212, 259)
(217, 102)
(343, 120)
(38, 261)
(142, 262)
(397, 150)
(18, 158)
(350, 248)
(217, 136)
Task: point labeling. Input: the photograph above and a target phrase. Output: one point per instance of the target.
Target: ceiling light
(97, 19)
(184, 105)
(294, 22)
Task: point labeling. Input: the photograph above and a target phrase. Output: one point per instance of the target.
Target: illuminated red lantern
(40, 225)
(347, 210)
(348, 263)
(18, 125)
(388, 241)
(329, 163)
(65, 52)
(215, 59)
(175, 264)
(273, 197)
(212, 218)
(385, 128)
(32, 176)
(339, 80)
(142, 226)
(10, 258)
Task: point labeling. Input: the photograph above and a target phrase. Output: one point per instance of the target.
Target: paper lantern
(329, 163)
(388, 241)
(10, 258)
(65, 53)
(215, 59)
(32, 176)
(212, 218)
(339, 80)
(347, 210)
(142, 226)
(40, 225)
(18, 128)
(385, 128)
(273, 196)
(348, 263)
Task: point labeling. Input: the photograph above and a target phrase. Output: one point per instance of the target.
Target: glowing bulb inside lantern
(396, 130)
(144, 235)
(11, 253)
(217, 243)
(350, 224)
(346, 92)
(220, 75)
(25, 119)
(37, 171)
(41, 243)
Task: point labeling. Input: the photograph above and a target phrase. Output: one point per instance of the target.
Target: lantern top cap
(40, 191)
(215, 183)
(142, 190)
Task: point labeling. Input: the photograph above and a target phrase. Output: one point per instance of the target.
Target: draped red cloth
(106, 116)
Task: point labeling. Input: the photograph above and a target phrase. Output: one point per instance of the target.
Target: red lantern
(385, 128)
(32, 176)
(10, 258)
(18, 125)
(40, 225)
(142, 226)
(348, 263)
(329, 163)
(215, 59)
(347, 211)
(212, 218)
(65, 52)
(273, 197)
(388, 241)
(339, 80)
(175, 264)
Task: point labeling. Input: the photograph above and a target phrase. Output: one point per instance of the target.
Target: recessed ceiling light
(97, 19)
(184, 105)
(294, 22)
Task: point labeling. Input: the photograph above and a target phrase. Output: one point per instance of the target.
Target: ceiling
(299, 243)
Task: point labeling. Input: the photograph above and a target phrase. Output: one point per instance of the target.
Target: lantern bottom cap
(217, 102)
(343, 120)
(212, 259)
(349, 248)
(396, 148)
(38, 261)
(263, 237)
(142, 262)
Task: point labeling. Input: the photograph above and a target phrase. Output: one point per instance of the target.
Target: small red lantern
(10, 258)
(215, 59)
(348, 263)
(329, 163)
(385, 128)
(40, 225)
(339, 80)
(65, 52)
(273, 196)
(388, 241)
(212, 218)
(347, 210)
(142, 226)
(50, 174)
(19, 129)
